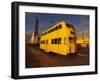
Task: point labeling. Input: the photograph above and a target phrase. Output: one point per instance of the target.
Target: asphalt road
(38, 58)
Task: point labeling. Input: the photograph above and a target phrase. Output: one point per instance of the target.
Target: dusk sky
(80, 22)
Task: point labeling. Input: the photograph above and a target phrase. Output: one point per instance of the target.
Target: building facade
(83, 39)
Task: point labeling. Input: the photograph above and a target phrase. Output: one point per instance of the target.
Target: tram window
(45, 33)
(71, 39)
(53, 29)
(68, 25)
(56, 28)
(43, 41)
(71, 32)
(65, 40)
(49, 31)
(52, 41)
(46, 41)
(40, 42)
(56, 41)
(59, 40)
(73, 27)
(60, 26)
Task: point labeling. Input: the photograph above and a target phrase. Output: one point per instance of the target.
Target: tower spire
(36, 27)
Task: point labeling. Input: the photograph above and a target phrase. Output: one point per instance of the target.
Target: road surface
(38, 58)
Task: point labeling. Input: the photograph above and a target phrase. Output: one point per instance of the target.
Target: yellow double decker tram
(60, 39)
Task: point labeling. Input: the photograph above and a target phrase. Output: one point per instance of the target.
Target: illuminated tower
(36, 27)
(36, 35)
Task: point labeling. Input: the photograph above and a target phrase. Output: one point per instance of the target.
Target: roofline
(53, 26)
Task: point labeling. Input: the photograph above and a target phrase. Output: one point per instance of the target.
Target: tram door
(72, 45)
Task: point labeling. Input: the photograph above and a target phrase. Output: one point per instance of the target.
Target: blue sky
(80, 22)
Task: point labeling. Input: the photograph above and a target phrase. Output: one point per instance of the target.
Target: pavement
(36, 57)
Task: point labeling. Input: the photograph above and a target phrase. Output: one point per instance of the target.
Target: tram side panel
(65, 46)
(53, 42)
(62, 48)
